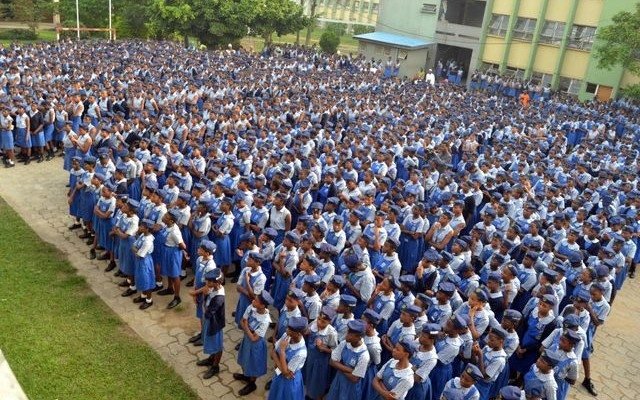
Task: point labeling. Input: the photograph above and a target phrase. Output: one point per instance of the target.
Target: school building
(551, 41)
(349, 12)
(547, 41)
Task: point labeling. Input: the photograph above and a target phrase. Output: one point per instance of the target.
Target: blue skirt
(484, 388)
(23, 139)
(158, 246)
(280, 290)
(523, 364)
(87, 203)
(103, 227)
(367, 383)
(69, 153)
(252, 357)
(501, 381)
(126, 256)
(267, 269)
(222, 256)
(343, 389)
(408, 253)
(48, 132)
(316, 373)
(234, 235)
(440, 375)
(563, 389)
(6, 139)
(74, 207)
(135, 189)
(193, 250)
(211, 344)
(243, 303)
(287, 389)
(145, 273)
(171, 264)
(420, 391)
(37, 140)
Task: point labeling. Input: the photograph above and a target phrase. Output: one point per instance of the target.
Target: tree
(312, 22)
(620, 46)
(29, 11)
(169, 17)
(329, 41)
(278, 16)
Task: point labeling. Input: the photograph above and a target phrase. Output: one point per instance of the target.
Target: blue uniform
(283, 388)
(356, 358)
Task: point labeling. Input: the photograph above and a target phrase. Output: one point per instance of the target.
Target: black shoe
(235, 280)
(214, 370)
(165, 292)
(74, 227)
(157, 288)
(119, 274)
(124, 284)
(27, 161)
(90, 241)
(249, 388)
(207, 362)
(128, 292)
(195, 338)
(240, 377)
(110, 266)
(267, 386)
(632, 275)
(237, 347)
(92, 254)
(587, 384)
(138, 299)
(233, 314)
(191, 283)
(85, 235)
(272, 325)
(174, 303)
(198, 343)
(99, 248)
(103, 257)
(40, 159)
(146, 305)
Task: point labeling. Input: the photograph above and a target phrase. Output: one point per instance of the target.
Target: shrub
(18, 34)
(329, 41)
(361, 29)
(338, 28)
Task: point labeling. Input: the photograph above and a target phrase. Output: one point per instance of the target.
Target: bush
(329, 41)
(338, 28)
(18, 34)
(361, 29)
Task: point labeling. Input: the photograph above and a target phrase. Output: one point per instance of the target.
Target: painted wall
(558, 10)
(415, 59)
(503, 7)
(575, 64)
(408, 20)
(546, 59)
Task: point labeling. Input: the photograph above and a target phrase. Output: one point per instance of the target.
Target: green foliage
(620, 42)
(132, 22)
(631, 92)
(362, 29)
(339, 28)
(278, 16)
(29, 11)
(167, 17)
(61, 340)
(18, 34)
(329, 41)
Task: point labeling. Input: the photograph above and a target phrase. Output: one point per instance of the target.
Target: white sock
(149, 300)
(159, 283)
(133, 287)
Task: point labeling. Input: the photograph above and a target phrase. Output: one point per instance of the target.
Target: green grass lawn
(347, 43)
(60, 339)
(43, 35)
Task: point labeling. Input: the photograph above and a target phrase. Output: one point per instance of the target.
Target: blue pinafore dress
(341, 387)
(284, 388)
(378, 305)
(440, 374)
(252, 356)
(243, 300)
(316, 368)
(145, 276)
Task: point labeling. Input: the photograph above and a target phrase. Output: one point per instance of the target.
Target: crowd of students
(415, 241)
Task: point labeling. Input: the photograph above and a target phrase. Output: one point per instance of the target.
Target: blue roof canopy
(394, 40)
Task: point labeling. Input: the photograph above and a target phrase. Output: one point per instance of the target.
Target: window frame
(581, 42)
(558, 32)
(524, 34)
(502, 28)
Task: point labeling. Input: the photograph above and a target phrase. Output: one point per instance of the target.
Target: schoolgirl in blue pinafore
(423, 362)
(316, 372)
(240, 217)
(212, 343)
(124, 253)
(443, 371)
(389, 377)
(531, 341)
(221, 231)
(143, 263)
(256, 280)
(159, 237)
(88, 197)
(202, 266)
(75, 177)
(267, 249)
(252, 356)
(283, 388)
(103, 225)
(341, 387)
(200, 225)
(409, 249)
(378, 305)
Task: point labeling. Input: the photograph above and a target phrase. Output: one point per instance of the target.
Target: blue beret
(495, 276)
(133, 203)
(214, 274)
(292, 236)
(89, 160)
(409, 280)
(460, 321)
(512, 315)
(510, 393)
(431, 255)
(348, 300)
(272, 233)
(409, 345)
(572, 335)
(316, 206)
(185, 196)
(255, 255)
(312, 280)
(337, 280)
(328, 311)
(552, 362)
(209, 246)
(265, 298)
(372, 316)
(412, 310)
(147, 222)
(176, 214)
(474, 372)
(296, 293)
(549, 299)
(534, 388)
(431, 329)
(356, 326)
(297, 324)
(447, 288)
(571, 321)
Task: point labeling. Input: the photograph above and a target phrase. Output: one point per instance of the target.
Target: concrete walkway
(37, 193)
(9, 387)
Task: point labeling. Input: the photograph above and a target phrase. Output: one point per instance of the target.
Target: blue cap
(316, 206)
(460, 321)
(447, 288)
(351, 260)
(296, 293)
(510, 393)
(512, 315)
(245, 237)
(413, 310)
(133, 203)
(431, 329)
(474, 372)
(372, 316)
(272, 233)
(214, 274)
(356, 326)
(552, 362)
(549, 299)
(409, 345)
(581, 295)
(348, 300)
(255, 255)
(292, 236)
(409, 280)
(500, 332)
(572, 336)
(337, 280)
(176, 214)
(297, 324)
(147, 222)
(431, 255)
(393, 240)
(602, 271)
(328, 311)
(209, 246)
(495, 276)
(534, 388)
(452, 394)
(571, 321)
(312, 280)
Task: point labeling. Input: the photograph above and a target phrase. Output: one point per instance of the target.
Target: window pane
(498, 25)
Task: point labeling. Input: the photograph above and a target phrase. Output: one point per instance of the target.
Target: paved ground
(37, 193)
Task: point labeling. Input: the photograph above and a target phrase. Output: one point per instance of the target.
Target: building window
(568, 85)
(499, 25)
(552, 32)
(541, 79)
(524, 28)
(374, 8)
(581, 37)
(591, 88)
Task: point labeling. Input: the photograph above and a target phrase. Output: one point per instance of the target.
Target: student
(382, 301)
(103, 211)
(284, 264)
(6, 138)
(291, 308)
(203, 264)
(344, 315)
(311, 303)
(174, 250)
(143, 264)
(289, 355)
(350, 359)
(402, 328)
(541, 374)
(490, 360)
(598, 309)
(250, 284)
(423, 361)
(252, 354)
(395, 378)
(125, 231)
(463, 387)
(330, 296)
(221, 230)
(321, 339)
(566, 370)
(372, 341)
(213, 322)
(447, 347)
